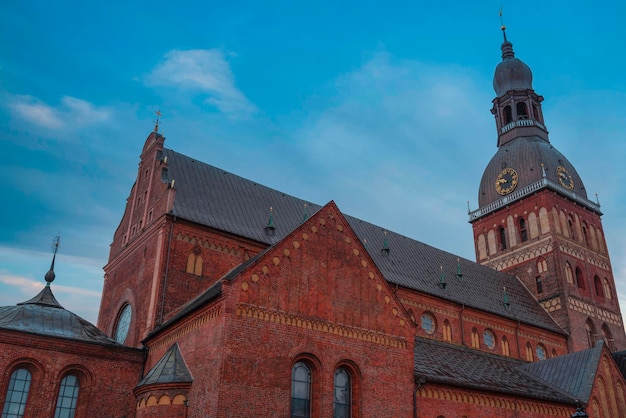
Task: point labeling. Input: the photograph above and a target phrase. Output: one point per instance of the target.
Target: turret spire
(56, 242)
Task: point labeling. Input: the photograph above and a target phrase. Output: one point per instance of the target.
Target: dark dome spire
(512, 73)
(49, 277)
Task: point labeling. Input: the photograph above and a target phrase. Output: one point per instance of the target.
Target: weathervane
(502, 24)
(156, 122)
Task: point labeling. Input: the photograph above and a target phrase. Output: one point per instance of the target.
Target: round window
(428, 323)
(123, 324)
(541, 352)
(490, 339)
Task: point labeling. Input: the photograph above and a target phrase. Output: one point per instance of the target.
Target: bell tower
(535, 220)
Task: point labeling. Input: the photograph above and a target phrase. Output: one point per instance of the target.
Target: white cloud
(203, 71)
(70, 113)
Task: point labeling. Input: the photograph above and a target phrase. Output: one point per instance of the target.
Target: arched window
(505, 346)
(502, 236)
(428, 323)
(590, 328)
(607, 289)
(447, 331)
(522, 230)
(568, 273)
(475, 338)
(194, 262)
(343, 394)
(529, 352)
(536, 113)
(539, 284)
(542, 265)
(597, 284)
(571, 229)
(508, 114)
(585, 234)
(17, 394)
(522, 111)
(541, 352)
(68, 396)
(553, 354)
(300, 390)
(607, 335)
(580, 279)
(489, 339)
(122, 325)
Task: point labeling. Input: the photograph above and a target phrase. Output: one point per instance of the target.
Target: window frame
(10, 390)
(59, 408)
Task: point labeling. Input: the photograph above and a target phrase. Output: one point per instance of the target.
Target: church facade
(226, 298)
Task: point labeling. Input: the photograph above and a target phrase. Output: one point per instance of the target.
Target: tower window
(536, 113)
(508, 115)
(529, 352)
(568, 273)
(447, 331)
(475, 338)
(539, 284)
(542, 265)
(607, 289)
(194, 262)
(597, 284)
(580, 279)
(502, 236)
(522, 111)
(505, 347)
(522, 230)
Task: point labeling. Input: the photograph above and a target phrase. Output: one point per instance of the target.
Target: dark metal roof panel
(574, 373)
(51, 321)
(171, 368)
(213, 197)
(461, 366)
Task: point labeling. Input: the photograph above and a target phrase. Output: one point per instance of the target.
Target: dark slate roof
(454, 365)
(525, 155)
(620, 360)
(171, 368)
(43, 315)
(213, 197)
(573, 372)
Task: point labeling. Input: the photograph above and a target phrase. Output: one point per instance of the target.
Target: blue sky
(382, 107)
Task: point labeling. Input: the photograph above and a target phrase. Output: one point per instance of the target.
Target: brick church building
(226, 298)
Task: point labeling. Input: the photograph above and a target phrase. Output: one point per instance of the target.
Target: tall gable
(321, 274)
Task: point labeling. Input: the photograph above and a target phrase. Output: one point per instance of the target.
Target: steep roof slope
(216, 198)
(449, 364)
(574, 373)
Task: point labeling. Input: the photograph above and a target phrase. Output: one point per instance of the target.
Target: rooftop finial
(156, 122)
(459, 273)
(270, 224)
(385, 250)
(502, 25)
(442, 280)
(56, 242)
(505, 299)
(305, 214)
(507, 47)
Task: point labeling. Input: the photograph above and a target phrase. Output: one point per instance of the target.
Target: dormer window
(522, 111)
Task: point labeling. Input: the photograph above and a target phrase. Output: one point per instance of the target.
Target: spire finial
(305, 214)
(507, 47)
(156, 122)
(459, 274)
(502, 25)
(56, 242)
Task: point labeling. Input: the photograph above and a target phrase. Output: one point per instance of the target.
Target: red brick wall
(557, 249)
(106, 375)
(316, 297)
(435, 401)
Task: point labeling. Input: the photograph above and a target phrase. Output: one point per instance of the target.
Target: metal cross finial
(502, 24)
(56, 242)
(156, 122)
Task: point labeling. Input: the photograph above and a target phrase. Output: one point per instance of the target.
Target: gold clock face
(565, 178)
(506, 181)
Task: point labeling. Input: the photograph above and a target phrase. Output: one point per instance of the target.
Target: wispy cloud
(205, 72)
(70, 113)
(29, 286)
